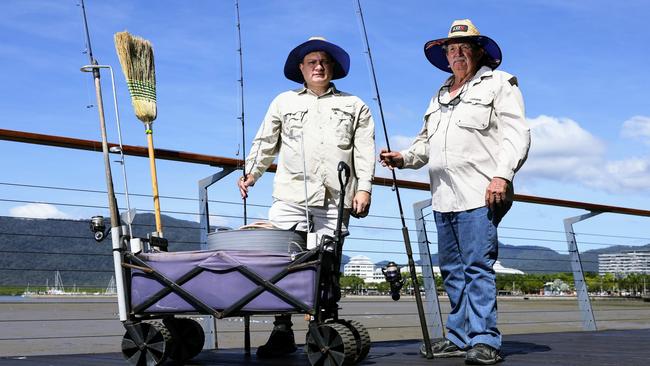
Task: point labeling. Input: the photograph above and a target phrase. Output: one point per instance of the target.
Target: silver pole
(116, 228)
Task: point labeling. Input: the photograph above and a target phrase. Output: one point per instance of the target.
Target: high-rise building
(624, 263)
(360, 266)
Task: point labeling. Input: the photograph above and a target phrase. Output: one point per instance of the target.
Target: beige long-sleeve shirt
(336, 126)
(484, 135)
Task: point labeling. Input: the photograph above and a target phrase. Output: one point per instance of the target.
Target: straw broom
(136, 58)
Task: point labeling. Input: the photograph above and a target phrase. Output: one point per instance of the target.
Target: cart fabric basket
(221, 281)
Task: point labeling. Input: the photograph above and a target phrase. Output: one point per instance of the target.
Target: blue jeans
(467, 250)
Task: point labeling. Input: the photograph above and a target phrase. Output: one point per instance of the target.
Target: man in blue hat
(474, 139)
(311, 129)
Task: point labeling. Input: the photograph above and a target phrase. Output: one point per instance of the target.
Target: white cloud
(562, 150)
(631, 173)
(556, 137)
(637, 127)
(38, 211)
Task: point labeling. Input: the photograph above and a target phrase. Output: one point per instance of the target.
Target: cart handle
(343, 167)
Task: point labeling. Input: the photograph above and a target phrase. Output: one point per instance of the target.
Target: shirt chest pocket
(292, 122)
(475, 112)
(342, 120)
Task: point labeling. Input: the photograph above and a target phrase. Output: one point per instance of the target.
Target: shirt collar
(482, 73)
(331, 90)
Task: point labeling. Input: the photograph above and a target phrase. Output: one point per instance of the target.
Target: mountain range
(32, 250)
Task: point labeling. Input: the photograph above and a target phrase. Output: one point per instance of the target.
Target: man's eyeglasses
(313, 63)
(455, 47)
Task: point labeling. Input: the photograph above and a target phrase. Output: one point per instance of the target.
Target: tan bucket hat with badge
(461, 29)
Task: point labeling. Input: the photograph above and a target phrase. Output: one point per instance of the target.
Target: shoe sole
(483, 362)
(449, 354)
(457, 353)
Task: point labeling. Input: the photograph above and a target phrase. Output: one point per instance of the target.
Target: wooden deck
(611, 347)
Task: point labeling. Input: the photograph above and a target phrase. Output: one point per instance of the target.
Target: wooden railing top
(189, 157)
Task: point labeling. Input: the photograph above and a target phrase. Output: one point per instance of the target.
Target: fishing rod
(112, 202)
(247, 322)
(405, 233)
(116, 229)
(241, 99)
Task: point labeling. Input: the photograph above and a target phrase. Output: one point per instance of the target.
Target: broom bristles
(136, 58)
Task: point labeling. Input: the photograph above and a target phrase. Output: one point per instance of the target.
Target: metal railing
(54, 322)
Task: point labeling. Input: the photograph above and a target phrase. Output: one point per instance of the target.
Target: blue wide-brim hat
(341, 58)
(461, 29)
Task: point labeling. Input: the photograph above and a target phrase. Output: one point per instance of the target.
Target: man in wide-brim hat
(474, 139)
(311, 129)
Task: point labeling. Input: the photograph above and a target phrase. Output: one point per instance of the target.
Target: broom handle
(154, 178)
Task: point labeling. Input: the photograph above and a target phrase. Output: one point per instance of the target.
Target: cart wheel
(146, 344)
(361, 337)
(188, 338)
(330, 344)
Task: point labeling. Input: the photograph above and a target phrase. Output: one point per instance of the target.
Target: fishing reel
(98, 228)
(393, 276)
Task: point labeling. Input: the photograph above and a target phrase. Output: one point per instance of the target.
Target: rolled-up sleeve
(514, 131)
(364, 149)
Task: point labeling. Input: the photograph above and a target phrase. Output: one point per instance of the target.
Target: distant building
(362, 267)
(377, 276)
(500, 269)
(624, 263)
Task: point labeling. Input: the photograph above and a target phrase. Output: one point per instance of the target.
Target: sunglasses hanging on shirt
(453, 101)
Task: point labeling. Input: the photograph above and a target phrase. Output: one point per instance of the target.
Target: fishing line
(405, 233)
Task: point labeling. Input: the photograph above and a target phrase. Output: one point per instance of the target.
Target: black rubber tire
(361, 337)
(149, 346)
(188, 338)
(339, 346)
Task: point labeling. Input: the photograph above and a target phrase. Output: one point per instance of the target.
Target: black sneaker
(482, 354)
(443, 348)
(281, 342)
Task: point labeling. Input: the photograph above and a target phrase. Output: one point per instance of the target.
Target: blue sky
(581, 65)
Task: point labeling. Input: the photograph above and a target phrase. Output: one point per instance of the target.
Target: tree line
(634, 284)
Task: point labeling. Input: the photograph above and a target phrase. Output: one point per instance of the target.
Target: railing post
(431, 303)
(588, 320)
(204, 212)
(210, 324)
